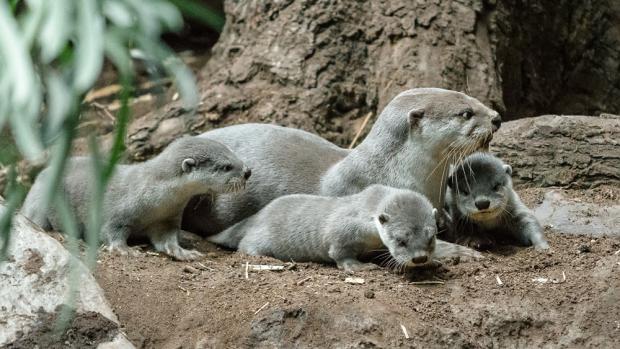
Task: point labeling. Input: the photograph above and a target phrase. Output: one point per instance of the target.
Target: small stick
(427, 282)
(404, 331)
(247, 266)
(499, 281)
(105, 110)
(182, 289)
(261, 308)
(359, 132)
(301, 282)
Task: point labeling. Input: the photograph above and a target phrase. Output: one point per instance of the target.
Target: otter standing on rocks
(483, 205)
(340, 229)
(412, 143)
(146, 199)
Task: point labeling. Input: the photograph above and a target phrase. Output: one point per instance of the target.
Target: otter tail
(232, 236)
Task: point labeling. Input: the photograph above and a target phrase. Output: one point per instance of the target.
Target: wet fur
(484, 177)
(144, 199)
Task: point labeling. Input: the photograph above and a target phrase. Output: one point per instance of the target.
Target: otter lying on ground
(340, 229)
(483, 206)
(412, 143)
(145, 199)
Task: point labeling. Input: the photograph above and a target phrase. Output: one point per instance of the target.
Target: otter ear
(415, 115)
(508, 169)
(188, 164)
(384, 217)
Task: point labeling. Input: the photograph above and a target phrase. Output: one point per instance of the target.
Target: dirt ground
(514, 297)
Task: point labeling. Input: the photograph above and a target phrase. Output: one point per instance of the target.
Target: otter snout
(496, 121)
(247, 172)
(482, 204)
(419, 259)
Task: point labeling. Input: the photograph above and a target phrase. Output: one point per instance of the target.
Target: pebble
(370, 294)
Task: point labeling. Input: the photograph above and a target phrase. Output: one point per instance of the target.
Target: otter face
(214, 167)
(455, 124)
(408, 228)
(480, 187)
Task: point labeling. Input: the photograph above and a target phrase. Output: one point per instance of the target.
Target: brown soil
(167, 304)
(86, 330)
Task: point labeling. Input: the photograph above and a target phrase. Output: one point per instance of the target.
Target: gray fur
(480, 180)
(416, 137)
(340, 229)
(148, 198)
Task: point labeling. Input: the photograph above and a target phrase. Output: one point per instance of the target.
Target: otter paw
(122, 250)
(182, 254)
(352, 267)
(541, 246)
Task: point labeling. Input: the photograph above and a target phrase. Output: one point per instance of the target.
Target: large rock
(34, 283)
(564, 151)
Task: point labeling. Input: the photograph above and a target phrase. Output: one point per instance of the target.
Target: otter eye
(467, 114)
(401, 243)
(465, 192)
(497, 187)
(228, 168)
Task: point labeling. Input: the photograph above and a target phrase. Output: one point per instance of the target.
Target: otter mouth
(485, 143)
(235, 186)
(484, 215)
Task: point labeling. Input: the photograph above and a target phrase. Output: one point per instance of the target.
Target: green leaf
(89, 45)
(55, 29)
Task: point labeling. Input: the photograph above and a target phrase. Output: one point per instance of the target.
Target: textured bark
(322, 65)
(564, 151)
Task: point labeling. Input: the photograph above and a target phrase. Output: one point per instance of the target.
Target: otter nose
(482, 204)
(497, 122)
(247, 173)
(419, 260)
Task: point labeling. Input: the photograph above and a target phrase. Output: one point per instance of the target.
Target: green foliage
(51, 53)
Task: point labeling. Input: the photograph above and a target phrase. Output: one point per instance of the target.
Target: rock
(35, 282)
(572, 217)
(564, 151)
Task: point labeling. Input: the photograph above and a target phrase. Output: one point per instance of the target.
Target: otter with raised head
(418, 134)
(145, 199)
(315, 228)
(483, 205)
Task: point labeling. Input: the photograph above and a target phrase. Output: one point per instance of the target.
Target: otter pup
(411, 144)
(340, 229)
(483, 205)
(148, 198)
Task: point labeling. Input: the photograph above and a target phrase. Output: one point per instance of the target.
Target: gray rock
(35, 282)
(573, 217)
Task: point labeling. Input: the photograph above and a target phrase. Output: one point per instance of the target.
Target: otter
(145, 199)
(418, 134)
(311, 228)
(483, 206)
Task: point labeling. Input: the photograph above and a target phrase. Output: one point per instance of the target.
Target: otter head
(407, 227)
(449, 123)
(209, 165)
(480, 187)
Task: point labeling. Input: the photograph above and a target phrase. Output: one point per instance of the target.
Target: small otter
(483, 205)
(340, 229)
(411, 144)
(148, 198)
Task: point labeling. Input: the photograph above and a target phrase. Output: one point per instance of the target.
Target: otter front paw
(186, 255)
(120, 248)
(541, 245)
(351, 266)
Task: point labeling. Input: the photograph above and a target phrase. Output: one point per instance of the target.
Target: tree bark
(565, 151)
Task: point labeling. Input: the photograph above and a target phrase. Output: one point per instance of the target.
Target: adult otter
(315, 228)
(483, 206)
(148, 198)
(418, 134)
